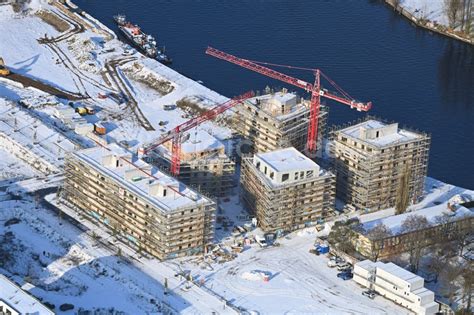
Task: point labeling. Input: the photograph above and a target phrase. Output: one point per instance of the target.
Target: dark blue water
(421, 80)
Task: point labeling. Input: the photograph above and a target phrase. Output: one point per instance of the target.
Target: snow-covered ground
(77, 262)
(11, 168)
(23, 54)
(432, 10)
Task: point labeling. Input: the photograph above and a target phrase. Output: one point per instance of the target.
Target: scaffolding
(369, 174)
(212, 175)
(132, 218)
(288, 206)
(268, 130)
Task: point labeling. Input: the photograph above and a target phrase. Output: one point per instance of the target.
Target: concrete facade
(286, 190)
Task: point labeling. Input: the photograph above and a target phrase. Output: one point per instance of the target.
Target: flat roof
(400, 136)
(140, 184)
(200, 140)
(281, 97)
(286, 160)
(399, 272)
(393, 269)
(394, 223)
(20, 300)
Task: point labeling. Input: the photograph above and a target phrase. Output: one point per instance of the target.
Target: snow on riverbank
(432, 10)
(24, 55)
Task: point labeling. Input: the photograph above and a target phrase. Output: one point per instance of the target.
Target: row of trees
(460, 14)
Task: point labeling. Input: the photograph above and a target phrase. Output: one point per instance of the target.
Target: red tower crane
(175, 134)
(315, 89)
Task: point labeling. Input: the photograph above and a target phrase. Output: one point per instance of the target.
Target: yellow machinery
(3, 69)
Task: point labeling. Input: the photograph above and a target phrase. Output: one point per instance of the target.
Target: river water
(421, 80)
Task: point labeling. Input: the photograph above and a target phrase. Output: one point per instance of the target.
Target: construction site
(276, 120)
(379, 164)
(150, 211)
(286, 191)
(167, 197)
(204, 164)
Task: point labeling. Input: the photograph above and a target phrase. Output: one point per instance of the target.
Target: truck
(90, 110)
(99, 128)
(81, 110)
(3, 69)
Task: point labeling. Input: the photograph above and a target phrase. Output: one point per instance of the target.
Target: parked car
(260, 241)
(343, 266)
(370, 294)
(335, 261)
(345, 275)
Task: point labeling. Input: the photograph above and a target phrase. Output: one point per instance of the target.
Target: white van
(261, 241)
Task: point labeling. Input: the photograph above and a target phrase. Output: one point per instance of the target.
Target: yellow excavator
(3, 69)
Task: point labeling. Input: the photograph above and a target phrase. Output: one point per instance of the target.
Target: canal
(422, 80)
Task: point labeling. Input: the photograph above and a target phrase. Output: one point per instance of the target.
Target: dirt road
(27, 82)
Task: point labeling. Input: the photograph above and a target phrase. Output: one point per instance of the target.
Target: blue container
(323, 249)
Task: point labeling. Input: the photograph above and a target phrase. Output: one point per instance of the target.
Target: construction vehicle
(81, 110)
(99, 129)
(90, 110)
(3, 69)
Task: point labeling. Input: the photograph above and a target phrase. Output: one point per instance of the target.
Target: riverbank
(428, 24)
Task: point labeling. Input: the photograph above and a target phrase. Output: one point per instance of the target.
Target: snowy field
(11, 168)
(22, 53)
(75, 266)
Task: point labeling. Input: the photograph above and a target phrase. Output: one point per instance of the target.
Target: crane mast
(175, 134)
(315, 89)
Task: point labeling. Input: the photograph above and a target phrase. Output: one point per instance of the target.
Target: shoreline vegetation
(430, 25)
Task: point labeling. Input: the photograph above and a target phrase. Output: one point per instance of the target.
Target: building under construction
(204, 164)
(149, 210)
(286, 190)
(376, 161)
(276, 120)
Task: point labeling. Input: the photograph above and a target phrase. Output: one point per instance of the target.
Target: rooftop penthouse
(286, 190)
(379, 134)
(276, 120)
(286, 166)
(144, 207)
(163, 191)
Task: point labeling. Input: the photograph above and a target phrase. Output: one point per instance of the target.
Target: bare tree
(403, 196)
(467, 16)
(341, 236)
(414, 228)
(467, 279)
(377, 235)
(448, 276)
(452, 9)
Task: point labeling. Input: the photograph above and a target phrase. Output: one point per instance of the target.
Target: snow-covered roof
(139, 177)
(392, 269)
(394, 223)
(19, 300)
(379, 134)
(200, 140)
(287, 160)
(399, 272)
(272, 104)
